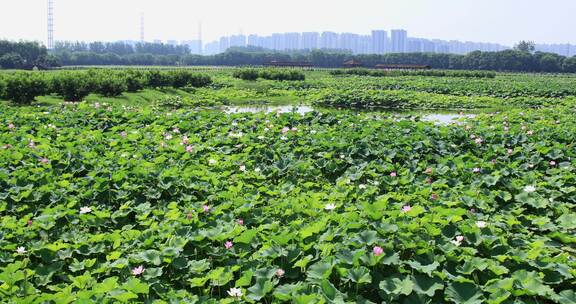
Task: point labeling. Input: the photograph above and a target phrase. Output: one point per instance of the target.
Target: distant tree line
(120, 48)
(25, 55)
(28, 54)
(508, 60)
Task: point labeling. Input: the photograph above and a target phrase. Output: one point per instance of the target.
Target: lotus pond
(104, 202)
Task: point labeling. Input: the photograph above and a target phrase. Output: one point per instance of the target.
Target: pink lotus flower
(377, 251)
(510, 151)
(190, 215)
(138, 270)
(280, 272)
(206, 208)
(285, 130)
(472, 136)
(476, 170)
(530, 132)
(44, 160)
(406, 208)
(123, 134)
(393, 174)
(552, 163)
(29, 223)
(294, 129)
(428, 171)
(176, 130)
(11, 126)
(189, 149)
(185, 140)
(168, 136)
(31, 144)
(228, 244)
(478, 140)
(240, 222)
(434, 196)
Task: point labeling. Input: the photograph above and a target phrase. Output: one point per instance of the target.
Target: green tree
(569, 65)
(525, 46)
(11, 61)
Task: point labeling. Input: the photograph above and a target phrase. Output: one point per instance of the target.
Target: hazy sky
(502, 21)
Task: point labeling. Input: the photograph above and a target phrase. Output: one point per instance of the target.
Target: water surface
(438, 116)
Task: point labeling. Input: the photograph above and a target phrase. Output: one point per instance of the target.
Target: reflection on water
(440, 117)
(445, 118)
(301, 109)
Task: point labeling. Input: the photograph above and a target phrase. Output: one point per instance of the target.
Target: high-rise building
(442, 48)
(292, 41)
(364, 44)
(254, 40)
(349, 41)
(329, 40)
(379, 42)
(237, 40)
(278, 41)
(309, 41)
(212, 48)
(414, 45)
(428, 46)
(195, 46)
(399, 41)
(224, 44)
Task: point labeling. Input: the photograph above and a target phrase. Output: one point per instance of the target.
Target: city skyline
(377, 42)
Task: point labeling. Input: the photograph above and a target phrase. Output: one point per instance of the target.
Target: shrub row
(366, 98)
(269, 74)
(398, 73)
(24, 87)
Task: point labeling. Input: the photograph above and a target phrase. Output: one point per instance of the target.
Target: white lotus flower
(84, 210)
(235, 292)
(529, 189)
(330, 207)
(20, 250)
(212, 162)
(481, 224)
(458, 240)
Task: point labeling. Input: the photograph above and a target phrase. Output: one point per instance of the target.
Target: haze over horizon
(504, 22)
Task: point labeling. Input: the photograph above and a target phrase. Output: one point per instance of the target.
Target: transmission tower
(50, 24)
(200, 36)
(141, 27)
